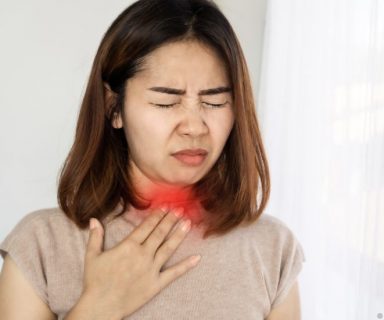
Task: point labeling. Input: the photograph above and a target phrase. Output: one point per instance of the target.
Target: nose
(192, 123)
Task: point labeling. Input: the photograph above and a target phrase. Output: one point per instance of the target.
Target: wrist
(95, 308)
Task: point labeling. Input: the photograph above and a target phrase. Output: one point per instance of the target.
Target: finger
(156, 238)
(95, 239)
(170, 245)
(172, 273)
(144, 229)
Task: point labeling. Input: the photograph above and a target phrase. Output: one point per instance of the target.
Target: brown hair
(94, 177)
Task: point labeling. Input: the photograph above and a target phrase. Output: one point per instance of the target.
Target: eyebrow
(205, 92)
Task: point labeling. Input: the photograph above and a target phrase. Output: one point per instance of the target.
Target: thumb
(95, 239)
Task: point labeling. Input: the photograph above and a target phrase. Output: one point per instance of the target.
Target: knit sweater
(241, 275)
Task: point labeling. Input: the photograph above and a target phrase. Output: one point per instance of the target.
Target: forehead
(182, 60)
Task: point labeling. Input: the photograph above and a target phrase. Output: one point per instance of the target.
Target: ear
(110, 98)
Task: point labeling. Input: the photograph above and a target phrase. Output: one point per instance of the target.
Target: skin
(289, 308)
(154, 133)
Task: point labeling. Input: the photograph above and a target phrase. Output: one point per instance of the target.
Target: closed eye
(164, 105)
(218, 105)
(214, 105)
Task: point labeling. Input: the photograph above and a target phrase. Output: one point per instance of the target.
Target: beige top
(241, 275)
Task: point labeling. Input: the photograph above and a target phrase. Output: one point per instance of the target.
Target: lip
(191, 152)
(191, 157)
(190, 160)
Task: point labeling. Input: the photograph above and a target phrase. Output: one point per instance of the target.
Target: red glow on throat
(174, 198)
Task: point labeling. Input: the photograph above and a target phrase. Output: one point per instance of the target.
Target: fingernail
(178, 212)
(92, 223)
(195, 259)
(186, 225)
(164, 207)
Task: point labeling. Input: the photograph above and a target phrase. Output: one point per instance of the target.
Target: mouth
(190, 159)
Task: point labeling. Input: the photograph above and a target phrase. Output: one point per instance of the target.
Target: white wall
(248, 19)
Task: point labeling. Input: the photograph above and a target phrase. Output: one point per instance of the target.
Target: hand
(130, 274)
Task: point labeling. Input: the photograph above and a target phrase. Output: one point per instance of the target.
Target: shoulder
(45, 215)
(43, 218)
(36, 242)
(268, 228)
(40, 226)
(280, 253)
(274, 237)
(270, 222)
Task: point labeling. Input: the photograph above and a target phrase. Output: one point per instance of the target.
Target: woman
(167, 134)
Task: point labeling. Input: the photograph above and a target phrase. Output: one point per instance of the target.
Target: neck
(156, 194)
(173, 197)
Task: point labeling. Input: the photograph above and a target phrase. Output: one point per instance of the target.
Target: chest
(226, 284)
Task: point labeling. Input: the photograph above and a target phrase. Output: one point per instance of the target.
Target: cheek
(222, 125)
(146, 132)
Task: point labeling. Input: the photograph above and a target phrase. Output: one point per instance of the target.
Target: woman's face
(154, 133)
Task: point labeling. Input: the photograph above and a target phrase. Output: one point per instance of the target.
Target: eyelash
(220, 105)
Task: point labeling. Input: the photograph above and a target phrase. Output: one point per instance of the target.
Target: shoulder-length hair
(94, 178)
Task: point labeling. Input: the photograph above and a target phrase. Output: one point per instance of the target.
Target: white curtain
(321, 108)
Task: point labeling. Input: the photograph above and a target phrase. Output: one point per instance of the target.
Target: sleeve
(291, 262)
(26, 246)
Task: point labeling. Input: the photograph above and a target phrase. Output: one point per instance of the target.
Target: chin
(188, 179)
(180, 182)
